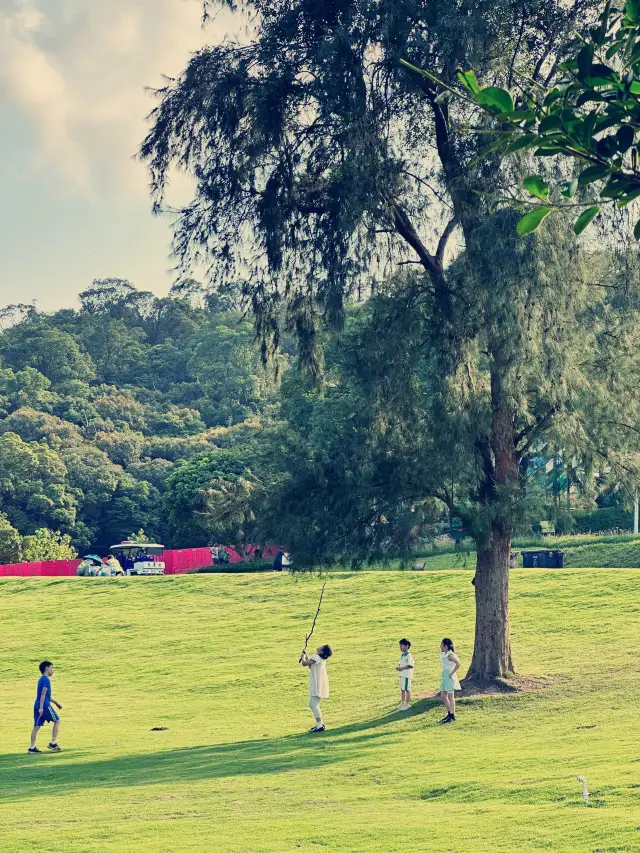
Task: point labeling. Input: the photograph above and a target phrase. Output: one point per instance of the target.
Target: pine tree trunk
(492, 656)
(492, 646)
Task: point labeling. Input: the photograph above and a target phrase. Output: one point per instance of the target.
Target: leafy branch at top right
(591, 114)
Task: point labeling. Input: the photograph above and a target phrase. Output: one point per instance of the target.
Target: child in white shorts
(405, 669)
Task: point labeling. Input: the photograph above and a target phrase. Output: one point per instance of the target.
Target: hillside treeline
(100, 406)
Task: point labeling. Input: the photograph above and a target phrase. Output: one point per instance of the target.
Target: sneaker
(54, 747)
(34, 749)
(449, 719)
(444, 720)
(316, 729)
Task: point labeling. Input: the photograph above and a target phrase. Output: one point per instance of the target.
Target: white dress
(318, 678)
(449, 682)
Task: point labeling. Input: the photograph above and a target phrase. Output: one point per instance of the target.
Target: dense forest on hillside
(136, 413)
(100, 406)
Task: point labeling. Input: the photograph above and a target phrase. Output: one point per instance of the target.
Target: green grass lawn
(214, 659)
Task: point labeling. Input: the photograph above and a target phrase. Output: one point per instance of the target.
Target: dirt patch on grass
(514, 684)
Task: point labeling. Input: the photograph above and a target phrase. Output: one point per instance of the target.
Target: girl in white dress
(450, 663)
(318, 682)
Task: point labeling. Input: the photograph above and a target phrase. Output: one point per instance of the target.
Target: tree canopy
(323, 167)
(98, 407)
(317, 164)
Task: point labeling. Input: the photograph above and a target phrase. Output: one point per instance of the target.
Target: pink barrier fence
(176, 563)
(45, 568)
(179, 562)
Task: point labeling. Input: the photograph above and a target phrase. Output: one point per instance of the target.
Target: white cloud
(76, 72)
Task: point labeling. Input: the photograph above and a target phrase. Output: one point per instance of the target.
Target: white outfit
(318, 686)
(449, 683)
(318, 678)
(406, 659)
(314, 705)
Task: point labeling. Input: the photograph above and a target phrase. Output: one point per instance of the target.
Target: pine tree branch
(541, 61)
(613, 462)
(516, 50)
(406, 230)
(429, 186)
(444, 239)
(620, 424)
(532, 431)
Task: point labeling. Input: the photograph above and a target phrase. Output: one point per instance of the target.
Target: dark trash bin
(543, 559)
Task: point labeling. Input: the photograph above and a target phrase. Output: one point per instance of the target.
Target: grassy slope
(213, 658)
(624, 555)
(610, 552)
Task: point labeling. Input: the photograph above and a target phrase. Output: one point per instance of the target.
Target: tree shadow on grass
(427, 703)
(26, 776)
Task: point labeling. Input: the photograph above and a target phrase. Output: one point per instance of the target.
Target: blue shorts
(49, 715)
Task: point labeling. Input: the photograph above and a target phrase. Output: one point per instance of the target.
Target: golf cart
(140, 558)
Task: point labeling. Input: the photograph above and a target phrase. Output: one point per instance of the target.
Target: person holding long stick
(318, 682)
(318, 678)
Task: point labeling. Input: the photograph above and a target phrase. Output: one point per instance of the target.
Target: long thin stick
(309, 635)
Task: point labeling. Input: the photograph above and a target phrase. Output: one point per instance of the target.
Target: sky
(74, 204)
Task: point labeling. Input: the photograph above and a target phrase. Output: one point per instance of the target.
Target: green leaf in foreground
(536, 186)
(615, 48)
(525, 141)
(593, 173)
(469, 81)
(586, 217)
(493, 96)
(584, 60)
(553, 122)
(532, 220)
(570, 188)
(624, 137)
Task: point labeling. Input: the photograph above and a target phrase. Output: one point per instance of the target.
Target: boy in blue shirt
(43, 711)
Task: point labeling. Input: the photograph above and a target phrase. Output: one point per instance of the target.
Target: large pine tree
(318, 169)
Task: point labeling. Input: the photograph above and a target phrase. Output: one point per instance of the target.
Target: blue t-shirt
(43, 682)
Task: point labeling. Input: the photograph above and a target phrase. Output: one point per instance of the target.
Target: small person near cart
(114, 565)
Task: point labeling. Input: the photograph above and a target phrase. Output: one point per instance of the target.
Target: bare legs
(54, 734)
(449, 701)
